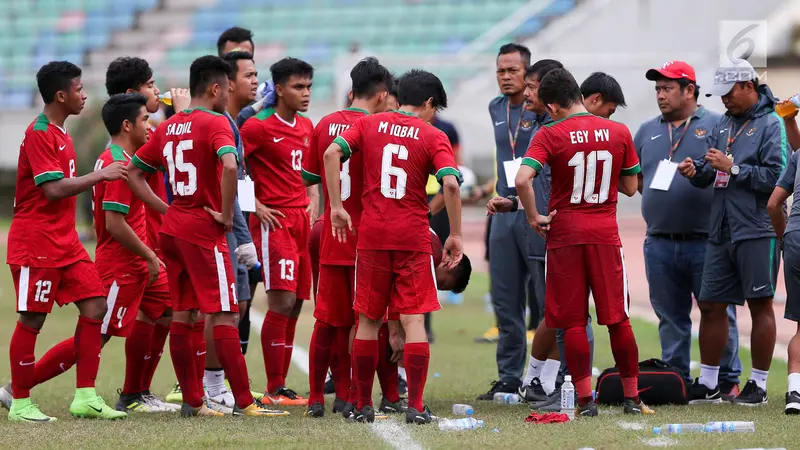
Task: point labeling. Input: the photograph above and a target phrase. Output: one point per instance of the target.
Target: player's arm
(762, 177)
(144, 162)
(628, 183)
(119, 229)
(637, 143)
(444, 161)
(311, 170)
(338, 152)
(67, 187)
(782, 191)
(532, 164)
(792, 130)
(230, 180)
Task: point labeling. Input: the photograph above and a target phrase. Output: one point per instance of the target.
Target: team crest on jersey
(525, 125)
(700, 133)
(751, 131)
(305, 141)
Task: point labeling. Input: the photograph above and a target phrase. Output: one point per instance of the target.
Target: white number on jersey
(287, 269)
(297, 160)
(121, 315)
(344, 176)
(388, 171)
(43, 291)
(181, 188)
(585, 176)
(71, 168)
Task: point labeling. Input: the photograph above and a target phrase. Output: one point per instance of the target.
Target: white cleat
(224, 402)
(5, 396)
(159, 404)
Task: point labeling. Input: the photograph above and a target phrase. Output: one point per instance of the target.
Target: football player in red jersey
(47, 261)
(198, 150)
(590, 158)
(395, 267)
(275, 141)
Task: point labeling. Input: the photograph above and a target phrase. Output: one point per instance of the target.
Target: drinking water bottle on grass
(506, 398)
(467, 423)
(568, 397)
(463, 410)
(679, 428)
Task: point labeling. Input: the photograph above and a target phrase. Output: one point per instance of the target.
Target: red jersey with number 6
(332, 251)
(587, 156)
(399, 151)
(189, 144)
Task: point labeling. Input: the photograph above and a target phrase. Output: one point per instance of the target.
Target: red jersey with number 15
(587, 156)
(332, 251)
(399, 151)
(189, 144)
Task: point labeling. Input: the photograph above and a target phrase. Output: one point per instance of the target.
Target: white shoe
(224, 402)
(5, 396)
(159, 404)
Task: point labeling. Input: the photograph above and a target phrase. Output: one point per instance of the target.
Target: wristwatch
(734, 170)
(514, 202)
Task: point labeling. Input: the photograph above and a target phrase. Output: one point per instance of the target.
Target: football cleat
(348, 411)
(529, 336)
(498, 386)
(700, 394)
(256, 409)
(631, 407)
(136, 403)
(203, 411)
(388, 407)
(157, 402)
(751, 395)
(533, 391)
(88, 405)
(5, 396)
(315, 410)
(490, 336)
(792, 403)
(419, 417)
(284, 397)
(728, 390)
(339, 405)
(366, 415)
(224, 402)
(587, 410)
(22, 410)
(175, 395)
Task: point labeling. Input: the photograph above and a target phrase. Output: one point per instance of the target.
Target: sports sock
(576, 354)
(88, 343)
(273, 341)
(21, 352)
(160, 333)
(229, 351)
(387, 370)
(323, 340)
(353, 397)
(181, 349)
(199, 344)
(416, 357)
(214, 380)
(584, 385)
(709, 376)
(535, 367)
(760, 377)
(626, 355)
(291, 325)
(340, 363)
(794, 382)
(137, 351)
(365, 355)
(549, 375)
(401, 371)
(56, 361)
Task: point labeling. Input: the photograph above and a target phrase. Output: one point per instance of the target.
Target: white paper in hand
(664, 175)
(511, 168)
(247, 195)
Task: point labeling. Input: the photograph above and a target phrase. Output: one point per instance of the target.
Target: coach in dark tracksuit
(748, 152)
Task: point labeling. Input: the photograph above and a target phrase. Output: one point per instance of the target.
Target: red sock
(417, 355)
(137, 349)
(340, 364)
(160, 333)
(365, 355)
(273, 340)
(626, 355)
(229, 350)
(323, 340)
(56, 361)
(387, 370)
(182, 351)
(21, 352)
(353, 397)
(585, 384)
(576, 354)
(198, 336)
(291, 325)
(88, 343)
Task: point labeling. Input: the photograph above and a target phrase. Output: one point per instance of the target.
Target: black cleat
(393, 408)
(751, 395)
(402, 386)
(338, 405)
(792, 403)
(699, 394)
(366, 415)
(587, 410)
(533, 392)
(419, 418)
(315, 410)
(728, 390)
(498, 386)
(348, 411)
(636, 409)
(329, 388)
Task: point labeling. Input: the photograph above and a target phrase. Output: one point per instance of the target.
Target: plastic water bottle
(679, 428)
(788, 106)
(166, 98)
(463, 410)
(506, 398)
(568, 397)
(467, 423)
(730, 427)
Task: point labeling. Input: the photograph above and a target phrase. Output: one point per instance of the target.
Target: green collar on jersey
(403, 112)
(357, 109)
(41, 123)
(118, 153)
(568, 117)
(200, 108)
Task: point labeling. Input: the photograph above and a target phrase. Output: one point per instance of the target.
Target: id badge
(722, 179)
(511, 168)
(247, 195)
(664, 175)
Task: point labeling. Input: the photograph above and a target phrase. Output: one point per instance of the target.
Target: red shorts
(334, 299)
(283, 252)
(38, 287)
(156, 300)
(123, 301)
(199, 278)
(395, 280)
(571, 272)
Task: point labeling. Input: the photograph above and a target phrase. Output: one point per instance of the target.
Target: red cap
(673, 70)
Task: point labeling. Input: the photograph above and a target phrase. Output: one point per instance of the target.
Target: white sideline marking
(631, 425)
(661, 441)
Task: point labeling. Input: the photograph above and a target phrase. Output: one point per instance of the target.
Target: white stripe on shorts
(111, 301)
(435, 284)
(222, 280)
(624, 284)
(22, 295)
(265, 255)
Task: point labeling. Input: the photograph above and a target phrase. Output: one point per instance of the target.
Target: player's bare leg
(282, 312)
(540, 377)
(416, 357)
(713, 338)
(365, 362)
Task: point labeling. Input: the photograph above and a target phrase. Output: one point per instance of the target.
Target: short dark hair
(393, 90)
(462, 273)
(605, 85)
(416, 86)
(540, 68)
(234, 34)
(559, 87)
(369, 77)
(127, 72)
(206, 70)
(523, 51)
(56, 76)
(233, 59)
(287, 67)
(121, 107)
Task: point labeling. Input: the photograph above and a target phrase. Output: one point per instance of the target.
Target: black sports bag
(659, 384)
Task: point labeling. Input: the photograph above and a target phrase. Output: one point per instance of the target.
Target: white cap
(568, 378)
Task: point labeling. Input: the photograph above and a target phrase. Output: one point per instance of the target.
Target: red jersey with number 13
(587, 156)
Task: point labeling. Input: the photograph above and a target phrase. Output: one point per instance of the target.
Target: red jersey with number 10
(351, 176)
(587, 156)
(399, 151)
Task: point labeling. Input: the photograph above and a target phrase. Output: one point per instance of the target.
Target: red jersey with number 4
(274, 149)
(587, 156)
(113, 261)
(154, 218)
(43, 232)
(400, 151)
(190, 144)
(351, 177)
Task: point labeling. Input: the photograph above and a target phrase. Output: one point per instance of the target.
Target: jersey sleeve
(350, 140)
(786, 181)
(148, 158)
(221, 137)
(630, 160)
(43, 157)
(252, 135)
(311, 169)
(117, 197)
(538, 152)
(443, 158)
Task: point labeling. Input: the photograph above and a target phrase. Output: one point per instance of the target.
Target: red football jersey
(43, 232)
(399, 151)
(189, 144)
(587, 155)
(351, 176)
(154, 218)
(114, 261)
(274, 150)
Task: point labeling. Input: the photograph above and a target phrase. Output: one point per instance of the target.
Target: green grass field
(459, 371)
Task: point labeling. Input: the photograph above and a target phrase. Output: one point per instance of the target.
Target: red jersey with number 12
(587, 155)
(351, 178)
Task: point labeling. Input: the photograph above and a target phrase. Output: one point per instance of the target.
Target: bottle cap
(480, 423)
(656, 430)
(469, 412)
(568, 378)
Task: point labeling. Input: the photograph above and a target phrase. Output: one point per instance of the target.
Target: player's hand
(228, 224)
(115, 171)
(180, 99)
(542, 223)
(686, 168)
(498, 205)
(313, 210)
(719, 160)
(269, 216)
(246, 255)
(452, 252)
(341, 224)
(154, 266)
(397, 343)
